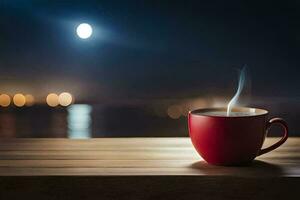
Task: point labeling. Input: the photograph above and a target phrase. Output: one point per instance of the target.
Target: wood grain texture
(140, 168)
(134, 157)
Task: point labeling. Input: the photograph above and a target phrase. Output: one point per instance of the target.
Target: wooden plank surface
(140, 168)
(133, 157)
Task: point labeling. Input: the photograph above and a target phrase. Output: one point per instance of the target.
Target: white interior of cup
(251, 111)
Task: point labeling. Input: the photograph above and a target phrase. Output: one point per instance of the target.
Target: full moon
(84, 30)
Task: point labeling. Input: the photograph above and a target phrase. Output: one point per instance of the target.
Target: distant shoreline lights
(63, 99)
(20, 100)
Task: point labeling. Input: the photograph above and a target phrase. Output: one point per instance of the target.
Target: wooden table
(139, 168)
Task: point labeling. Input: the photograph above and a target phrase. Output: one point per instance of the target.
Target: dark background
(145, 58)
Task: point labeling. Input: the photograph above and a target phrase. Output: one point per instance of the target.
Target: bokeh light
(174, 111)
(65, 99)
(19, 100)
(4, 100)
(52, 99)
(29, 100)
(194, 104)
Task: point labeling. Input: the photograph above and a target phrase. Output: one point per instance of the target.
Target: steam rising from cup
(242, 80)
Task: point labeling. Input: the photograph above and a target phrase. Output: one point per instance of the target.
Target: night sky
(150, 49)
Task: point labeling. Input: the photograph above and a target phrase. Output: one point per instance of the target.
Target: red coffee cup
(232, 140)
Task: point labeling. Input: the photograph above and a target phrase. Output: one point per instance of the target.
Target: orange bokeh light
(4, 100)
(29, 100)
(52, 99)
(19, 100)
(174, 111)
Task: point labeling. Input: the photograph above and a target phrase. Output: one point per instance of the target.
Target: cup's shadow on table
(256, 168)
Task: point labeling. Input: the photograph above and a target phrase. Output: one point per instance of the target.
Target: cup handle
(282, 123)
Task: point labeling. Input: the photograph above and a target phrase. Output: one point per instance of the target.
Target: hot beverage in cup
(232, 139)
(224, 114)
